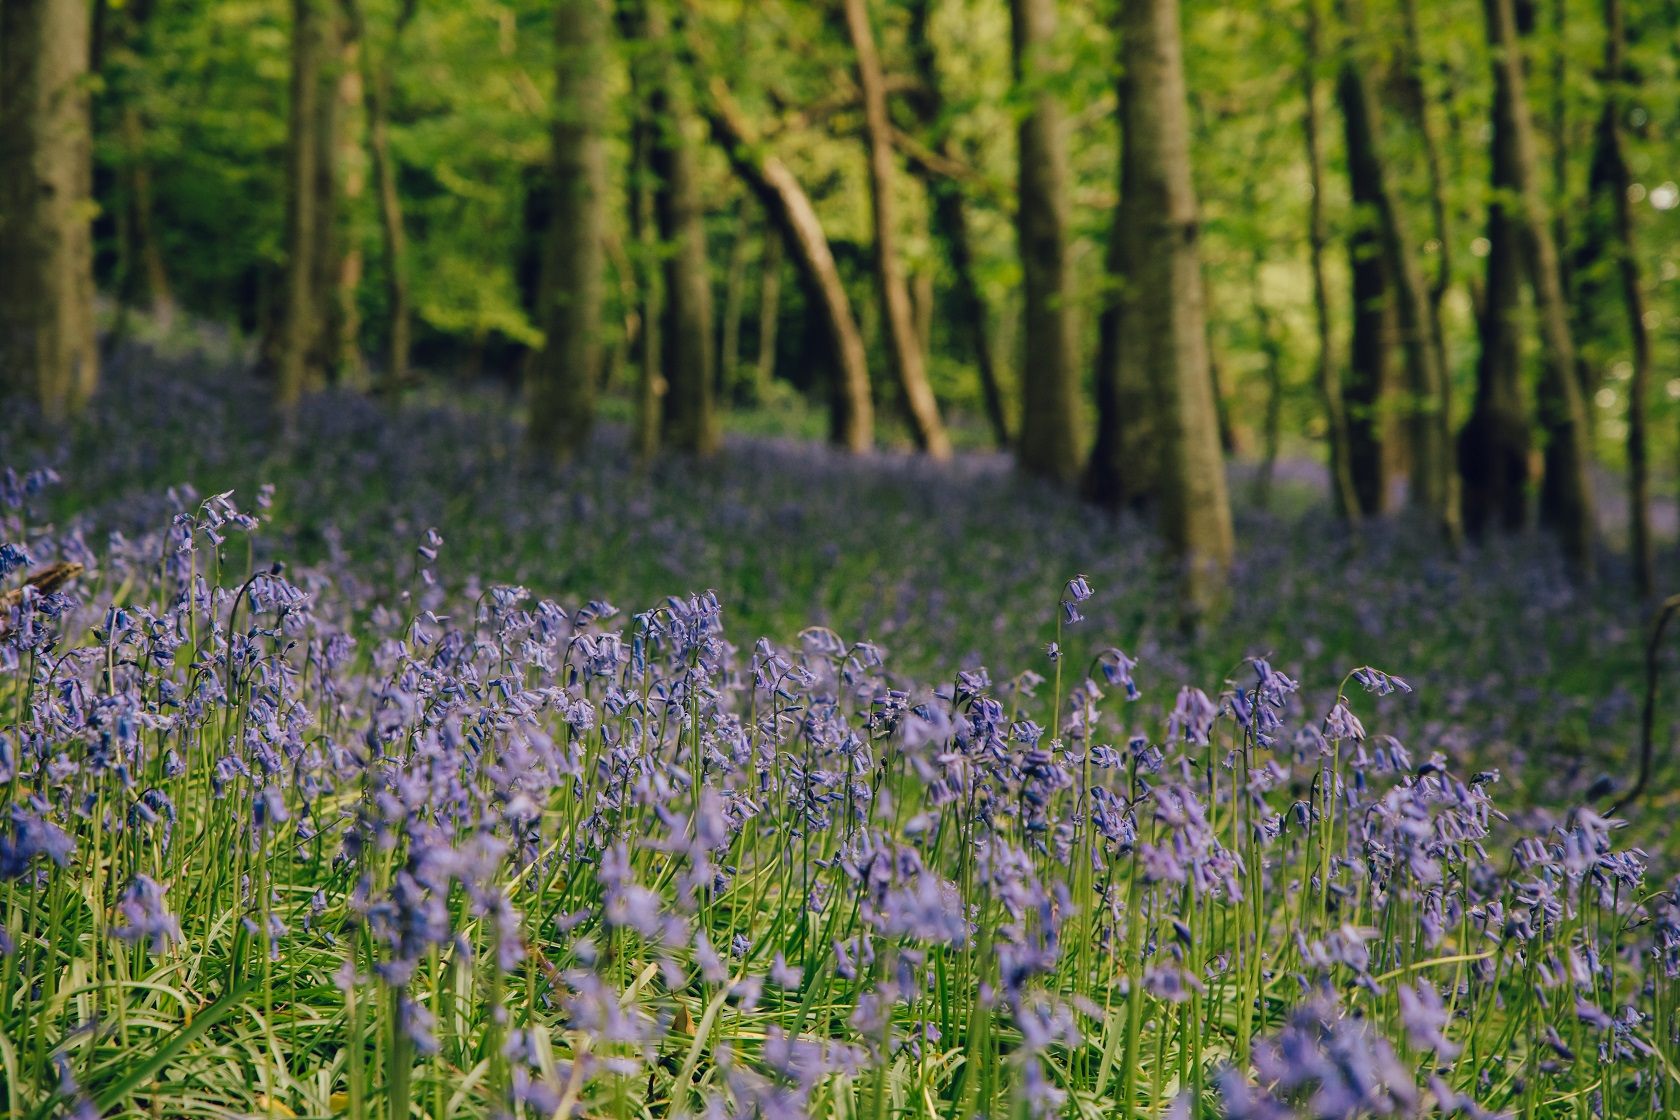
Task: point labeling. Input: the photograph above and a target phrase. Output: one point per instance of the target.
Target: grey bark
(567, 373)
(48, 350)
(1050, 441)
(298, 311)
(689, 419)
(1162, 329)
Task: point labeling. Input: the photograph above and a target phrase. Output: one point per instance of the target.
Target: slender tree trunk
(1494, 445)
(690, 421)
(923, 301)
(852, 420)
(734, 301)
(1611, 158)
(769, 311)
(1375, 437)
(327, 255)
(376, 95)
(949, 219)
(898, 317)
(1418, 100)
(1162, 328)
(568, 371)
(1329, 384)
(298, 310)
(1567, 498)
(48, 349)
(1050, 444)
(1428, 423)
(352, 367)
(650, 380)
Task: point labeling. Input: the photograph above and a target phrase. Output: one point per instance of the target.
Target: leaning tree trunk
(1162, 328)
(1329, 384)
(689, 418)
(1049, 444)
(1373, 431)
(376, 99)
(903, 347)
(1610, 166)
(298, 321)
(568, 370)
(1567, 499)
(852, 421)
(1428, 420)
(48, 349)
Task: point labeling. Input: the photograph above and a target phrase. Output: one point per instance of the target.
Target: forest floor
(946, 568)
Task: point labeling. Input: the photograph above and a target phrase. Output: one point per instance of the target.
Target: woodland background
(1096, 233)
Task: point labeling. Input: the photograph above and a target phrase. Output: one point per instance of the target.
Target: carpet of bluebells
(372, 770)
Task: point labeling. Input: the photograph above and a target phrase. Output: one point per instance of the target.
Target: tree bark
(690, 422)
(852, 419)
(1567, 498)
(1050, 414)
(1329, 384)
(903, 349)
(650, 380)
(1611, 167)
(567, 373)
(376, 97)
(1427, 415)
(769, 310)
(1162, 328)
(949, 220)
(298, 322)
(48, 349)
(1374, 435)
(326, 258)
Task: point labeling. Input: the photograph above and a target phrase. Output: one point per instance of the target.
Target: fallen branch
(44, 582)
(1653, 652)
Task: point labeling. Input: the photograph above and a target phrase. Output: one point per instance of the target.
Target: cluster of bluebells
(548, 857)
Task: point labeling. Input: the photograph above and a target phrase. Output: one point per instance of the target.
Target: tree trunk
(1161, 328)
(1271, 348)
(352, 368)
(1050, 421)
(327, 255)
(298, 311)
(734, 301)
(689, 419)
(567, 372)
(1418, 99)
(1494, 445)
(1567, 499)
(769, 310)
(903, 348)
(1611, 165)
(949, 219)
(852, 421)
(1427, 417)
(650, 380)
(48, 349)
(1373, 428)
(376, 95)
(1329, 384)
